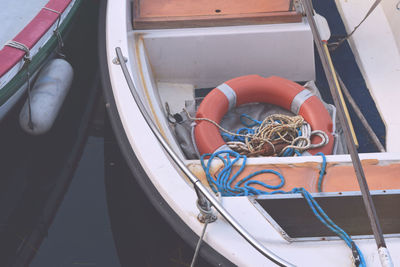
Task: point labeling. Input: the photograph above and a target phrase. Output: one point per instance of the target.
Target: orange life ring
(253, 88)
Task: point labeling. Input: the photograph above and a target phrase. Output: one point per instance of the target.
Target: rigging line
(367, 199)
(27, 61)
(57, 32)
(335, 79)
(362, 118)
(28, 77)
(335, 45)
(196, 253)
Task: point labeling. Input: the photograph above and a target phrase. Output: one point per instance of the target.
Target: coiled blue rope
(225, 178)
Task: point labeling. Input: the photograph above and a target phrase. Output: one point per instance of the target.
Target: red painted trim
(31, 34)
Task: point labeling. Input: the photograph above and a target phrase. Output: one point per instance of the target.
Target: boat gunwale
(13, 56)
(13, 78)
(139, 174)
(132, 146)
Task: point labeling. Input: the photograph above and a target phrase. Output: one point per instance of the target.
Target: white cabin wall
(206, 57)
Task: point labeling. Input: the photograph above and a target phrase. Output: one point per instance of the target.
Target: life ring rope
(253, 88)
(265, 129)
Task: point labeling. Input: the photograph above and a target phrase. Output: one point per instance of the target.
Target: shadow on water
(36, 170)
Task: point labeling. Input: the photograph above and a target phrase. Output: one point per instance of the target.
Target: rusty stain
(146, 90)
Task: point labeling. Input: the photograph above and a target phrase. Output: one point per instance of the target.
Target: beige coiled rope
(276, 134)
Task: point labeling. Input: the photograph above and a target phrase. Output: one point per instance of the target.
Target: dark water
(62, 170)
(81, 234)
(67, 197)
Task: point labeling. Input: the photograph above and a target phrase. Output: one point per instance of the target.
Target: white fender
(47, 97)
(323, 27)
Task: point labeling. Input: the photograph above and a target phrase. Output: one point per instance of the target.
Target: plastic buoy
(47, 97)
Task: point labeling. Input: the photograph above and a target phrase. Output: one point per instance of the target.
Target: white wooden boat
(155, 52)
(31, 33)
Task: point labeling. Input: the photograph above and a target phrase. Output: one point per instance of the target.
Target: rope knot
(20, 46)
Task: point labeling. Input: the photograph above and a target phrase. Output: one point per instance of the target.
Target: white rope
(52, 10)
(266, 133)
(57, 32)
(20, 46)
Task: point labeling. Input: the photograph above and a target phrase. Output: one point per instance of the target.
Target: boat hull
(13, 82)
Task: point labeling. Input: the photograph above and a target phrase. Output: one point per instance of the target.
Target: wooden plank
(179, 8)
(338, 178)
(161, 14)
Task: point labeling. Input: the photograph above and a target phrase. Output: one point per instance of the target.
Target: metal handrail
(204, 194)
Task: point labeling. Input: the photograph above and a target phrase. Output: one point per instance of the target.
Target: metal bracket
(206, 214)
(298, 6)
(117, 62)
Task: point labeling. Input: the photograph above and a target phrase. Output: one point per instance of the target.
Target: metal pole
(368, 203)
(359, 114)
(339, 92)
(195, 181)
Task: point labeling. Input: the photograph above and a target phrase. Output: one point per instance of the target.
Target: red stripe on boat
(31, 34)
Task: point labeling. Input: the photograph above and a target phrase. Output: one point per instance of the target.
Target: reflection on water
(81, 233)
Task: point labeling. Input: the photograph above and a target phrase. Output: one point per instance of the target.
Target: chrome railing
(203, 194)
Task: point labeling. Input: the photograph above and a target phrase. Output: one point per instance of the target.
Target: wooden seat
(338, 178)
(161, 14)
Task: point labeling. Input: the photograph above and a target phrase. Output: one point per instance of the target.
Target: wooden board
(159, 14)
(338, 178)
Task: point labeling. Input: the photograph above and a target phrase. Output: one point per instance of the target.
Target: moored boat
(32, 33)
(157, 53)
(37, 170)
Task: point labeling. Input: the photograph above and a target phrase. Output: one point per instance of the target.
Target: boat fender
(323, 27)
(253, 88)
(47, 97)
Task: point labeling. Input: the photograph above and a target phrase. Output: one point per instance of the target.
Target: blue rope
(322, 171)
(223, 183)
(248, 130)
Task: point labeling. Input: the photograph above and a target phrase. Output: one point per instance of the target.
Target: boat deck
(339, 176)
(15, 15)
